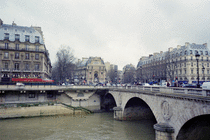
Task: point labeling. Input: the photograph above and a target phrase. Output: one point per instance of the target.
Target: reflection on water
(89, 127)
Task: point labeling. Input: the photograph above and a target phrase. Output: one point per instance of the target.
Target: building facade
(23, 53)
(91, 70)
(176, 64)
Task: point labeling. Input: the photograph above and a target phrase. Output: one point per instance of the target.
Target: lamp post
(197, 55)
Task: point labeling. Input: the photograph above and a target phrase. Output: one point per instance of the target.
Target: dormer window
(27, 38)
(6, 36)
(17, 37)
(36, 39)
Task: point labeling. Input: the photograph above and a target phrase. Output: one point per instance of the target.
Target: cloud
(119, 31)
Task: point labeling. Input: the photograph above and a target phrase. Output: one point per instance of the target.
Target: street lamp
(197, 55)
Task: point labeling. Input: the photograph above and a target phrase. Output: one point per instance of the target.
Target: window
(36, 66)
(196, 51)
(185, 58)
(191, 71)
(185, 52)
(6, 55)
(207, 59)
(37, 48)
(207, 71)
(185, 72)
(27, 38)
(202, 71)
(6, 45)
(191, 64)
(27, 55)
(6, 36)
(26, 66)
(191, 58)
(206, 52)
(201, 58)
(207, 64)
(37, 56)
(180, 71)
(6, 65)
(31, 95)
(201, 52)
(16, 55)
(184, 64)
(16, 46)
(27, 47)
(17, 37)
(16, 66)
(190, 51)
(36, 39)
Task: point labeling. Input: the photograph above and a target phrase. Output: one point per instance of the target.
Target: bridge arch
(137, 109)
(109, 102)
(195, 128)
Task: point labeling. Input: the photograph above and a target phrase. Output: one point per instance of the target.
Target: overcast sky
(119, 31)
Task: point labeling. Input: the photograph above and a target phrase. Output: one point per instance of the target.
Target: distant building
(91, 70)
(23, 52)
(176, 64)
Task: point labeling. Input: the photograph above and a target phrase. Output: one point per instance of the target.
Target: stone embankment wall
(15, 112)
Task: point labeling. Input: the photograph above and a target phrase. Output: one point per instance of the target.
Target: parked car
(145, 84)
(189, 85)
(206, 85)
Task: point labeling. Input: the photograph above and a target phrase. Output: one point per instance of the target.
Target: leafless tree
(129, 76)
(64, 67)
(112, 75)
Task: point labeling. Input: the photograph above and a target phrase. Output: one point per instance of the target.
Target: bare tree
(112, 74)
(129, 76)
(63, 67)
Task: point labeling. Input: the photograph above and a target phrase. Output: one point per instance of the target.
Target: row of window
(17, 66)
(177, 54)
(185, 59)
(17, 56)
(17, 37)
(17, 47)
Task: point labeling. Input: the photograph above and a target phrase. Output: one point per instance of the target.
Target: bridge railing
(175, 90)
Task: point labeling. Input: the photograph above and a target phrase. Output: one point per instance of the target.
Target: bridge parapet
(176, 90)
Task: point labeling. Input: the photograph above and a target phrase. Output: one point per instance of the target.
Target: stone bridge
(178, 116)
(180, 113)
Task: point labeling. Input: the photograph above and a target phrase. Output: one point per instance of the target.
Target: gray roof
(22, 31)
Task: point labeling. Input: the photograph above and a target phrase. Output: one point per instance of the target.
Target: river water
(98, 126)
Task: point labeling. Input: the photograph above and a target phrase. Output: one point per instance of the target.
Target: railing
(158, 89)
(23, 49)
(174, 90)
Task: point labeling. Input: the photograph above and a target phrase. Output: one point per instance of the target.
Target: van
(206, 85)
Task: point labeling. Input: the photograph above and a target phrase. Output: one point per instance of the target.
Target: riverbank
(36, 111)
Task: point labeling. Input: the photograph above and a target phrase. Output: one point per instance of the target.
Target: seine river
(98, 126)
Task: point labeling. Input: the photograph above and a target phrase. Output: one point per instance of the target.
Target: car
(206, 85)
(189, 85)
(20, 84)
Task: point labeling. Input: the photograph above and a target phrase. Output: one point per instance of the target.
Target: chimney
(178, 46)
(170, 49)
(186, 44)
(205, 44)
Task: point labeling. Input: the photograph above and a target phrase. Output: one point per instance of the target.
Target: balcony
(24, 49)
(27, 70)
(5, 70)
(16, 70)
